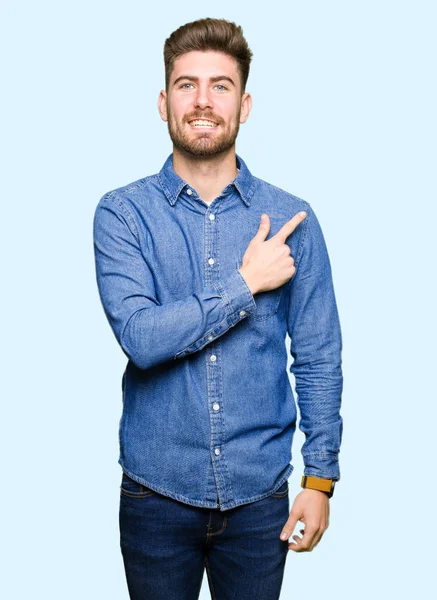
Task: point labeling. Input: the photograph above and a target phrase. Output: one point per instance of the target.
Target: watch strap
(318, 483)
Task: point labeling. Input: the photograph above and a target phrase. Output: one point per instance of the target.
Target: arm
(148, 332)
(316, 345)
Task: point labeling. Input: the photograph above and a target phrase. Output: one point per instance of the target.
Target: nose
(203, 97)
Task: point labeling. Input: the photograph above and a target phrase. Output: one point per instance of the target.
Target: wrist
(250, 280)
(316, 492)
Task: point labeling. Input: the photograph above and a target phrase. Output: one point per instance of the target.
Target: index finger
(290, 226)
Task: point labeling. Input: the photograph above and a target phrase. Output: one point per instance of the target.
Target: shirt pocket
(267, 302)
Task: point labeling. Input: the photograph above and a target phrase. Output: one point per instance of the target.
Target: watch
(318, 483)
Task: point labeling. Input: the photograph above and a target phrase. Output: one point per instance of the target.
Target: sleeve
(316, 347)
(148, 332)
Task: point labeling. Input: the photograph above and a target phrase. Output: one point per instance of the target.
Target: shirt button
(189, 192)
(211, 217)
(211, 261)
(217, 451)
(216, 406)
(210, 337)
(242, 313)
(213, 357)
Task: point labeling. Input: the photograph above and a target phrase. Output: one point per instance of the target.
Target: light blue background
(344, 116)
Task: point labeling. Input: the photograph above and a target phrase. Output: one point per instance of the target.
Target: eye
(222, 86)
(184, 84)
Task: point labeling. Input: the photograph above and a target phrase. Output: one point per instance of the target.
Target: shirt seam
(126, 212)
(326, 454)
(303, 237)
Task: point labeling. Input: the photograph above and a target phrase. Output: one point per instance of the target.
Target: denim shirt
(208, 409)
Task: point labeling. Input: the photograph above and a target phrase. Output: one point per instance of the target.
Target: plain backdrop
(344, 116)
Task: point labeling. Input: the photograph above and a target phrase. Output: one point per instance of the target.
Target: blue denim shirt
(208, 409)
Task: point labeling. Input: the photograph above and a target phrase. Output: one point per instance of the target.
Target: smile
(203, 124)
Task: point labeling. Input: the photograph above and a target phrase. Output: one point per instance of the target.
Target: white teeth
(200, 123)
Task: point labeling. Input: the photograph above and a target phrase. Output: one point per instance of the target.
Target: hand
(268, 265)
(312, 508)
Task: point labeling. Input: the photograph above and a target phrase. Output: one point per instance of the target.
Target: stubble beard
(202, 143)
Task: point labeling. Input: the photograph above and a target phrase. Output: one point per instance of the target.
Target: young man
(202, 269)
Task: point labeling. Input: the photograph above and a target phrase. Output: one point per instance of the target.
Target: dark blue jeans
(166, 546)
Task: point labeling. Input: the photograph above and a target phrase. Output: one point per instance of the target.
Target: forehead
(204, 64)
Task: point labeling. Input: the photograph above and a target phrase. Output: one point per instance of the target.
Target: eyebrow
(212, 79)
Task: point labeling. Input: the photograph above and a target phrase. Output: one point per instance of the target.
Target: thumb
(289, 526)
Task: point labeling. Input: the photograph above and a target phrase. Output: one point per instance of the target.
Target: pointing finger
(289, 227)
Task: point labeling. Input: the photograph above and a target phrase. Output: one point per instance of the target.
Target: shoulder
(130, 199)
(131, 191)
(280, 199)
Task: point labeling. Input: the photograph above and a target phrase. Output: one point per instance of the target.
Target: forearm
(148, 331)
(170, 331)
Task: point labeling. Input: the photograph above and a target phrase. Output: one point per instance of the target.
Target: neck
(208, 175)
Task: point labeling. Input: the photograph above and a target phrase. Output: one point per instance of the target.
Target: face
(204, 85)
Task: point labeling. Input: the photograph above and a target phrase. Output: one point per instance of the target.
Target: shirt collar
(172, 184)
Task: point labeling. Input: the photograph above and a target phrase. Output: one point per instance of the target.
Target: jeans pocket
(134, 489)
(282, 491)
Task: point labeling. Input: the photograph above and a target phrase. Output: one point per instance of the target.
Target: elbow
(133, 341)
(138, 359)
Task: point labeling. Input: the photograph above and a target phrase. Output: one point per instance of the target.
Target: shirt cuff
(324, 465)
(239, 303)
(237, 296)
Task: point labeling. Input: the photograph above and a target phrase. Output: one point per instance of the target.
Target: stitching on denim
(252, 189)
(225, 518)
(207, 504)
(251, 301)
(226, 477)
(110, 197)
(277, 494)
(136, 495)
(226, 300)
(136, 184)
(264, 317)
(133, 186)
(254, 314)
(193, 347)
(166, 190)
(321, 454)
(303, 238)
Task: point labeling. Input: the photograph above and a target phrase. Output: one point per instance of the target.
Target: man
(202, 269)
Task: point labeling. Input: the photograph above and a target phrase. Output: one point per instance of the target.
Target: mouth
(203, 124)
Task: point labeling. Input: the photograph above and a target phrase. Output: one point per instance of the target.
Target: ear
(246, 106)
(162, 105)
